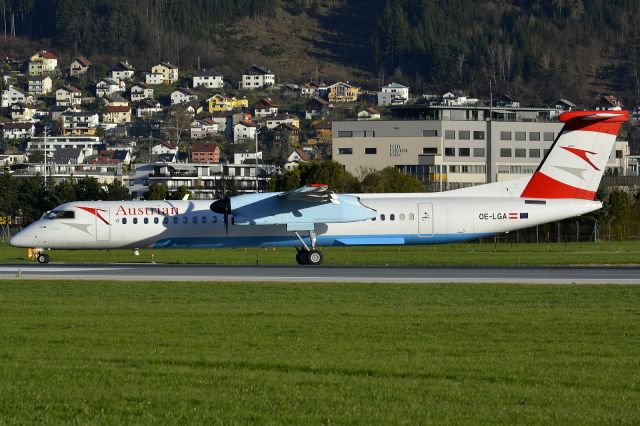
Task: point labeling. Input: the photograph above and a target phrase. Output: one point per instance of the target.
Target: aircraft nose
(17, 240)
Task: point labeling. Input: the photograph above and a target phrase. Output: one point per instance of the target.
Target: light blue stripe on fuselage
(323, 240)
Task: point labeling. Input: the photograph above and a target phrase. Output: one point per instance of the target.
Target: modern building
(257, 77)
(393, 94)
(208, 78)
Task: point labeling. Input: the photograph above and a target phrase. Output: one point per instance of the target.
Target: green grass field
(470, 254)
(211, 353)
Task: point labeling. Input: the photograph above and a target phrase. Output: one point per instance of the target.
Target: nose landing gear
(42, 257)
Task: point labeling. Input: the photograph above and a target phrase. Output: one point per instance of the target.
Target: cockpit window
(60, 214)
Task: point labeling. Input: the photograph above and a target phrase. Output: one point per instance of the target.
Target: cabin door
(425, 220)
(103, 227)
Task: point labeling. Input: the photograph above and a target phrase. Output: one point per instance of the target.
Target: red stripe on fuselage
(542, 186)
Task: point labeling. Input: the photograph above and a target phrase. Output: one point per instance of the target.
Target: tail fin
(577, 159)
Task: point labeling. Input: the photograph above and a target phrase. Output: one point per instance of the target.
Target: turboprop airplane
(563, 186)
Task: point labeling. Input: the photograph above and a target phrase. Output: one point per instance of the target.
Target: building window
(534, 153)
(345, 134)
(370, 150)
(450, 134)
(618, 153)
(505, 152)
(505, 136)
(464, 135)
(546, 151)
(478, 135)
(521, 152)
(549, 136)
(450, 152)
(429, 133)
(464, 152)
(430, 151)
(478, 152)
(521, 136)
(345, 151)
(534, 136)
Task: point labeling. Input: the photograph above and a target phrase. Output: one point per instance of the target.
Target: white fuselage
(430, 218)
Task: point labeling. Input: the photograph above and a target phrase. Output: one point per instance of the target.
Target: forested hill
(537, 50)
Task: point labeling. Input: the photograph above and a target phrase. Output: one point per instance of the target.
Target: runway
(164, 272)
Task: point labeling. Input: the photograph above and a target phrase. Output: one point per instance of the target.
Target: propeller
(223, 207)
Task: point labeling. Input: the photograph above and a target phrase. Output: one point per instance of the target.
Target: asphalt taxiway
(381, 274)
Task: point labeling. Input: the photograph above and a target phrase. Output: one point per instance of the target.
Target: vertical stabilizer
(577, 159)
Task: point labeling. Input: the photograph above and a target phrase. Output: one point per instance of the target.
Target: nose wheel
(42, 258)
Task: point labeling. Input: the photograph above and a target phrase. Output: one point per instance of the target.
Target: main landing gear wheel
(309, 257)
(42, 258)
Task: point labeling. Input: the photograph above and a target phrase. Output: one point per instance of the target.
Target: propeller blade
(223, 207)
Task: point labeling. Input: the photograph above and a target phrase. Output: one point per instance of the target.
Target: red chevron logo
(582, 154)
(95, 212)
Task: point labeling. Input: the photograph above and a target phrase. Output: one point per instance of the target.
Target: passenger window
(401, 216)
(146, 220)
(381, 217)
(156, 220)
(165, 220)
(392, 216)
(411, 216)
(194, 219)
(124, 220)
(185, 220)
(135, 220)
(204, 219)
(214, 219)
(175, 220)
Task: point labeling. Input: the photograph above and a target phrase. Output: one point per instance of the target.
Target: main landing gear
(306, 255)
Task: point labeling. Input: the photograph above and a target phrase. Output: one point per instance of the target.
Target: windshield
(60, 214)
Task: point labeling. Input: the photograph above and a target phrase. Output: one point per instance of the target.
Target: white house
(12, 95)
(457, 98)
(369, 114)
(68, 96)
(164, 147)
(313, 88)
(183, 96)
(256, 77)
(244, 130)
(40, 85)
(141, 91)
(107, 86)
(209, 78)
(117, 114)
(148, 108)
(265, 107)
(393, 94)
(153, 78)
(276, 120)
(122, 71)
(297, 156)
(23, 112)
(18, 130)
(42, 62)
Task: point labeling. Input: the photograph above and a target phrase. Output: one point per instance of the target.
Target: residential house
(40, 85)
(209, 79)
(316, 108)
(286, 130)
(68, 95)
(112, 157)
(297, 156)
(43, 62)
(205, 153)
(342, 92)
(393, 94)
(220, 103)
(183, 96)
(79, 66)
(273, 122)
(12, 95)
(609, 102)
(247, 157)
(565, 105)
(203, 128)
(507, 101)
(22, 112)
(164, 147)
(257, 77)
(115, 99)
(76, 123)
(457, 98)
(323, 133)
(191, 108)
(148, 108)
(313, 88)
(18, 130)
(107, 86)
(141, 91)
(153, 78)
(369, 114)
(265, 107)
(122, 71)
(68, 156)
(244, 130)
(169, 72)
(117, 114)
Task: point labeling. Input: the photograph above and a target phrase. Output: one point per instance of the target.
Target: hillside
(537, 50)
